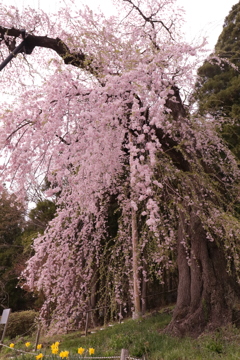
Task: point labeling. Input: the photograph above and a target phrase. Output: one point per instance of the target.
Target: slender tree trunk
(135, 260)
(206, 292)
(93, 298)
(135, 252)
(144, 290)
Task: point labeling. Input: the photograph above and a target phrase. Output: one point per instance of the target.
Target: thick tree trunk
(206, 292)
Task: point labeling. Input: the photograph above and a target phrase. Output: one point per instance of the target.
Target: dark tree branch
(17, 129)
(78, 59)
(63, 140)
(150, 19)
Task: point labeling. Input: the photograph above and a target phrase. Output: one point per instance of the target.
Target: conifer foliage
(218, 85)
(138, 181)
(12, 223)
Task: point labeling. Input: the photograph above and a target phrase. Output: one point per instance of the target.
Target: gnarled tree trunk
(206, 292)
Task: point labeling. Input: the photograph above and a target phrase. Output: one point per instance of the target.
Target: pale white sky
(204, 18)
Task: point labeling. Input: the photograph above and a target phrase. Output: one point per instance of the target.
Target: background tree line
(18, 228)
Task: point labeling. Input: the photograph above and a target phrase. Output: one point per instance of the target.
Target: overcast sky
(204, 17)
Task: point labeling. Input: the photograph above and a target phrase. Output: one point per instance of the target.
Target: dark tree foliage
(40, 216)
(16, 237)
(218, 85)
(11, 219)
(12, 222)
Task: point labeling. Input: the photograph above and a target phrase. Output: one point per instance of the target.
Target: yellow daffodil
(39, 356)
(64, 354)
(54, 350)
(81, 350)
(27, 344)
(91, 351)
(54, 347)
(11, 345)
(39, 346)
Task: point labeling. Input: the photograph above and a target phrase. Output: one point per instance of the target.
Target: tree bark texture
(78, 59)
(206, 292)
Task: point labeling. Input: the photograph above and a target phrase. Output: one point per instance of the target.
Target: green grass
(142, 338)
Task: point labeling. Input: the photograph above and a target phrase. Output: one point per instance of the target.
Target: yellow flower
(81, 350)
(54, 350)
(54, 347)
(39, 356)
(11, 345)
(39, 346)
(27, 344)
(91, 351)
(64, 354)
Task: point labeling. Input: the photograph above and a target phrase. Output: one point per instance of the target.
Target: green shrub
(21, 323)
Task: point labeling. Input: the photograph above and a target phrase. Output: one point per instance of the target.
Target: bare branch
(150, 19)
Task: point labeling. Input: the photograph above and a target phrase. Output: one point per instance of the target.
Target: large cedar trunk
(206, 292)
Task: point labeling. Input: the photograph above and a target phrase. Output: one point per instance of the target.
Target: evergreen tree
(12, 222)
(40, 216)
(218, 85)
(16, 238)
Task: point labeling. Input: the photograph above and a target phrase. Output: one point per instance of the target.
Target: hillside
(142, 338)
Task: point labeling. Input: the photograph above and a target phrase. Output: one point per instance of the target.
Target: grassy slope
(144, 337)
